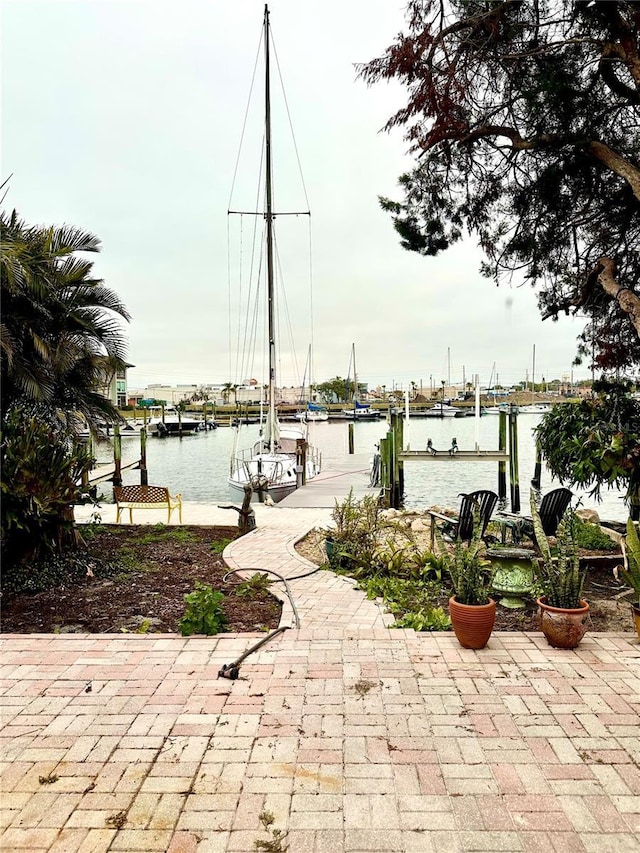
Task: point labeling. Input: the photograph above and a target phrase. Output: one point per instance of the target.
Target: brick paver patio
(351, 740)
(347, 736)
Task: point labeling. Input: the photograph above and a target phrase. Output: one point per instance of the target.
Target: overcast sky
(124, 118)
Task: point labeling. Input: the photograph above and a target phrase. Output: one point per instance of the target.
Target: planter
(635, 609)
(513, 576)
(335, 558)
(564, 628)
(472, 623)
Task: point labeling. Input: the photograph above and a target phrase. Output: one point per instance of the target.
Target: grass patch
(161, 533)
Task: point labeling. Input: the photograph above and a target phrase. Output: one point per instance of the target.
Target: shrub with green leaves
(429, 618)
(204, 613)
(257, 584)
(355, 532)
(630, 573)
(590, 537)
(42, 472)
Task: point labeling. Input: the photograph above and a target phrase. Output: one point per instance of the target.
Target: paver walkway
(322, 599)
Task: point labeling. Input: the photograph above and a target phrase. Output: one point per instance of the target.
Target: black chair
(552, 507)
(482, 501)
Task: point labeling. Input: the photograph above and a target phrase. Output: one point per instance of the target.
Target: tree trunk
(605, 274)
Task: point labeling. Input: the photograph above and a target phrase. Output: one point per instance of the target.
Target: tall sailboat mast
(272, 426)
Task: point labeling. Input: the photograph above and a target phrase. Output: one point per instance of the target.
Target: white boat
(534, 409)
(282, 458)
(313, 414)
(502, 407)
(359, 411)
(168, 421)
(441, 410)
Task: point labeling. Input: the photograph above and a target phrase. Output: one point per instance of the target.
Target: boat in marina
(313, 414)
(441, 410)
(361, 412)
(358, 411)
(282, 458)
(167, 420)
(501, 407)
(534, 408)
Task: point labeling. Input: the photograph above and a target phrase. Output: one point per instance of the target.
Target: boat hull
(273, 474)
(171, 427)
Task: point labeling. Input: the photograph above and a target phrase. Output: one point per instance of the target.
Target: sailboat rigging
(282, 458)
(312, 412)
(359, 411)
(534, 408)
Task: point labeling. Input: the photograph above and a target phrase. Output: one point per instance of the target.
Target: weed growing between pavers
(275, 844)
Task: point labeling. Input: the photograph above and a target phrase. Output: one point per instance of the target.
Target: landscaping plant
(470, 572)
(560, 578)
(383, 555)
(203, 614)
(42, 472)
(631, 573)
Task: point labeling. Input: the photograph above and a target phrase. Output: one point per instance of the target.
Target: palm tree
(61, 336)
(61, 339)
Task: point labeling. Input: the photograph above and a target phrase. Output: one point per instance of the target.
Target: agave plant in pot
(630, 572)
(472, 610)
(564, 614)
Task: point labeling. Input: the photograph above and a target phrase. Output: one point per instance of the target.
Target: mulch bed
(134, 579)
(138, 577)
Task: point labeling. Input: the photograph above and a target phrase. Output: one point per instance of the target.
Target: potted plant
(564, 614)
(472, 610)
(630, 572)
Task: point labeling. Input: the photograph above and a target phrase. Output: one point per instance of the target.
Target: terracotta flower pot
(472, 623)
(564, 628)
(635, 609)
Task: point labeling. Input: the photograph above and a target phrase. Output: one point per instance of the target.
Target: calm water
(198, 465)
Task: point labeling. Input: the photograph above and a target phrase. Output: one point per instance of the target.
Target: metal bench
(146, 497)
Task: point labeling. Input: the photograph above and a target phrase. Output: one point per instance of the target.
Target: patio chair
(461, 526)
(552, 507)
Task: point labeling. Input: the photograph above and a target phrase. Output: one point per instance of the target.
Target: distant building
(115, 386)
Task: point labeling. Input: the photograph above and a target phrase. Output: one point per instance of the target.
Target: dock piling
(502, 465)
(514, 477)
(144, 474)
(117, 456)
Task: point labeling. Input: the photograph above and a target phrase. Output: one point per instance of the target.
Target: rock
(420, 525)
(588, 515)
(142, 625)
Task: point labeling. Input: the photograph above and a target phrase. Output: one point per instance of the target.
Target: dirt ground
(137, 583)
(134, 579)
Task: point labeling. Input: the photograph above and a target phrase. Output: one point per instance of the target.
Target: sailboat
(534, 408)
(359, 411)
(312, 412)
(282, 458)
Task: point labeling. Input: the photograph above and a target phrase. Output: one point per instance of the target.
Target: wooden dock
(457, 456)
(337, 479)
(104, 471)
